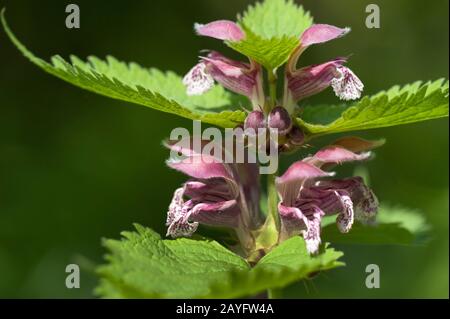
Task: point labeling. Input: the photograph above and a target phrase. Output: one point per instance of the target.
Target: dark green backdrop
(76, 167)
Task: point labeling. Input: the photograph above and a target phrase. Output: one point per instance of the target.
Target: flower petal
(300, 171)
(304, 220)
(209, 204)
(364, 200)
(224, 213)
(345, 219)
(213, 189)
(220, 29)
(202, 167)
(178, 217)
(197, 81)
(236, 76)
(289, 184)
(330, 201)
(186, 146)
(313, 79)
(338, 155)
(225, 67)
(320, 33)
(346, 149)
(312, 233)
(217, 56)
(292, 220)
(347, 86)
(356, 144)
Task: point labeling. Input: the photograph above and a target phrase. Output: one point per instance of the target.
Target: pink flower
(306, 197)
(304, 82)
(239, 77)
(220, 29)
(217, 194)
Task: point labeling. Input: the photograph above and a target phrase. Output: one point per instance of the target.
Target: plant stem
(272, 77)
(272, 199)
(272, 195)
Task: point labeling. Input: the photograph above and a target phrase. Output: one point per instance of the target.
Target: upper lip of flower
(220, 29)
(239, 77)
(315, 34)
(304, 200)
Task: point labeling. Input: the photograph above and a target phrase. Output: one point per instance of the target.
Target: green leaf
(142, 265)
(276, 19)
(408, 219)
(393, 226)
(271, 53)
(273, 29)
(382, 234)
(285, 264)
(133, 83)
(399, 105)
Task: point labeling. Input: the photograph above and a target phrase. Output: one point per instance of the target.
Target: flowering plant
(274, 237)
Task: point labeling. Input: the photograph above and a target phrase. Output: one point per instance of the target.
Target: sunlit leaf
(163, 91)
(399, 105)
(142, 265)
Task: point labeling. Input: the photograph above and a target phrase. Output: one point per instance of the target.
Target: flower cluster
(246, 78)
(228, 195)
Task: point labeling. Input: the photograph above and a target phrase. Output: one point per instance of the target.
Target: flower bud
(296, 136)
(280, 119)
(255, 120)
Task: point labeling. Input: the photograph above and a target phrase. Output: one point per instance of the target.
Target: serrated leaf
(142, 265)
(399, 105)
(285, 264)
(276, 19)
(271, 53)
(130, 82)
(393, 226)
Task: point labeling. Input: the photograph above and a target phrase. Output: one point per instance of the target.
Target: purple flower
(239, 77)
(306, 198)
(217, 194)
(304, 82)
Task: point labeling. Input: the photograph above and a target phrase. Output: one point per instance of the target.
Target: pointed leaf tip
(129, 82)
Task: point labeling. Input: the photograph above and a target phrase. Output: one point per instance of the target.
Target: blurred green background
(76, 167)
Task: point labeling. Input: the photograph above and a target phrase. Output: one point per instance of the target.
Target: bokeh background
(76, 167)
